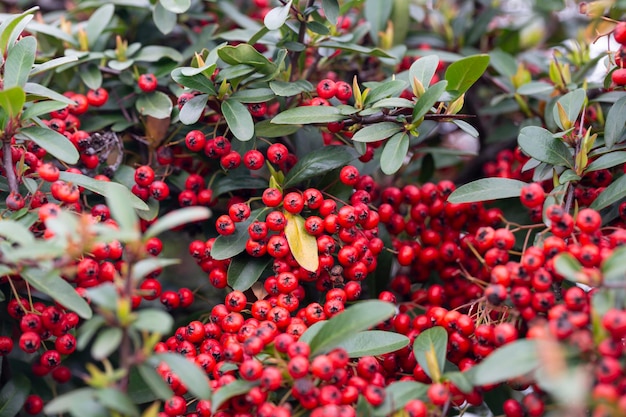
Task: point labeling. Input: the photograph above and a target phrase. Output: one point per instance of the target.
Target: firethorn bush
(327, 208)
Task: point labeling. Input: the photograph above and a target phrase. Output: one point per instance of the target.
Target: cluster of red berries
(619, 74)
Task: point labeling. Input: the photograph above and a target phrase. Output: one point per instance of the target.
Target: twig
(7, 161)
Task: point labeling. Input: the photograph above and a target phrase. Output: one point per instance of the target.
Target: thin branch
(7, 161)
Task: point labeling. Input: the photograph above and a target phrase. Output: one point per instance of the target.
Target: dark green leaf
(155, 104)
(12, 100)
(197, 82)
(509, 361)
(253, 95)
(606, 161)
(193, 109)
(288, 89)
(611, 194)
(331, 9)
(53, 142)
(318, 163)
(539, 143)
(385, 90)
(153, 320)
(377, 13)
(244, 271)
(373, 343)
(103, 188)
(176, 6)
(487, 189)
(246, 54)
(433, 340)
(308, 115)
(277, 17)
(572, 103)
(376, 132)
(228, 183)
(353, 47)
(356, 318)
(462, 74)
(51, 284)
(13, 395)
(398, 394)
(239, 119)
(614, 268)
(91, 76)
(503, 62)
(423, 69)
(229, 391)
(394, 153)
(177, 218)
(226, 247)
(266, 129)
(115, 400)
(428, 99)
(189, 373)
(155, 382)
(19, 62)
(107, 342)
(615, 126)
(163, 19)
(98, 21)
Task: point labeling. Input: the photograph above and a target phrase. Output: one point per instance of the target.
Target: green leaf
(377, 13)
(153, 320)
(385, 90)
(154, 53)
(331, 10)
(156, 104)
(232, 182)
(103, 188)
(539, 143)
(190, 374)
(487, 189)
(51, 284)
(146, 266)
(16, 232)
(226, 247)
(308, 115)
(40, 108)
(615, 125)
(19, 62)
(503, 62)
(393, 102)
(303, 246)
(244, 271)
(376, 132)
(121, 211)
(13, 395)
(104, 295)
(356, 318)
(265, 129)
(467, 128)
(239, 119)
(87, 331)
(98, 21)
(428, 99)
(606, 161)
(193, 109)
(611, 194)
(12, 100)
(462, 74)
(318, 163)
(311, 332)
(63, 403)
(289, 89)
(39, 91)
(53, 142)
(107, 342)
(253, 95)
(115, 400)
(12, 26)
(460, 380)
(223, 394)
(197, 82)
(373, 343)
(535, 88)
(433, 340)
(277, 17)
(397, 394)
(394, 153)
(91, 76)
(572, 103)
(176, 6)
(353, 47)
(614, 268)
(177, 218)
(509, 361)
(248, 55)
(155, 382)
(424, 69)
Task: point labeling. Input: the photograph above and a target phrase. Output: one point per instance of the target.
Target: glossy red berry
(147, 82)
(344, 91)
(326, 89)
(97, 97)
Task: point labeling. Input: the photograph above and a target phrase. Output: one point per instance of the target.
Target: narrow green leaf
(373, 343)
(146, 266)
(223, 394)
(40, 108)
(424, 69)
(248, 55)
(572, 103)
(11, 27)
(16, 232)
(51, 284)
(377, 13)
(153, 320)
(232, 182)
(308, 115)
(121, 211)
(358, 317)
(239, 119)
(156, 104)
(503, 62)
(115, 400)
(63, 403)
(101, 187)
(193, 109)
(197, 82)
(154, 53)
(226, 247)
(331, 9)
(13, 395)
(104, 295)
(51, 64)
(177, 218)
(303, 246)
(462, 74)
(176, 6)
(397, 394)
(569, 267)
(19, 62)
(318, 163)
(356, 48)
(277, 17)
(107, 342)
(376, 132)
(428, 99)
(487, 189)
(535, 88)
(614, 268)
(510, 361)
(12, 100)
(88, 330)
(611, 194)
(265, 129)
(91, 76)
(385, 90)
(615, 125)
(244, 272)
(39, 91)
(394, 153)
(467, 128)
(606, 161)
(153, 380)
(434, 340)
(98, 21)
(253, 95)
(190, 374)
(289, 89)
(53, 142)
(539, 143)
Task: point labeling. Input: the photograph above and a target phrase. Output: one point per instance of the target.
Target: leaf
(101, 187)
(11, 27)
(197, 82)
(611, 194)
(289, 89)
(51, 284)
(193, 109)
(428, 99)
(244, 272)
(266, 129)
(614, 268)
(107, 342)
(376, 132)
(190, 374)
(535, 88)
(154, 53)
(394, 153)
(40, 108)
(572, 103)
(392, 102)
(121, 211)
(303, 246)
(226, 247)
(232, 182)
(13, 395)
(539, 143)
(39, 91)
(353, 47)
(277, 17)
(462, 74)
(615, 125)
(146, 266)
(312, 331)
(154, 321)
(423, 69)
(223, 394)
(460, 380)
(98, 21)
(63, 402)
(156, 383)
(487, 189)
(503, 62)
(318, 163)
(12, 100)
(377, 13)
(253, 95)
(104, 295)
(87, 331)
(466, 127)
(385, 90)
(156, 104)
(433, 340)
(308, 115)
(16, 232)
(53, 142)
(91, 76)
(239, 119)
(115, 400)
(177, 218)
(606, 161)
(248, 55)
(397, 394)
(373, 343)
(176, 6)
(19, 62)
(356, 318)
(509, 361)
(331, 10)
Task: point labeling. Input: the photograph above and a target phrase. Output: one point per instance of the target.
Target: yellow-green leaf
(303, 246)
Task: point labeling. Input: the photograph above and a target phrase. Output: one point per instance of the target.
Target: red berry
(147, 82)
(97, 97)
(619, 76)
(344, 91)
(620, 33)
(326, 89)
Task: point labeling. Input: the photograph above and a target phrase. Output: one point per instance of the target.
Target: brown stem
(295, 56)
(7, 161)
